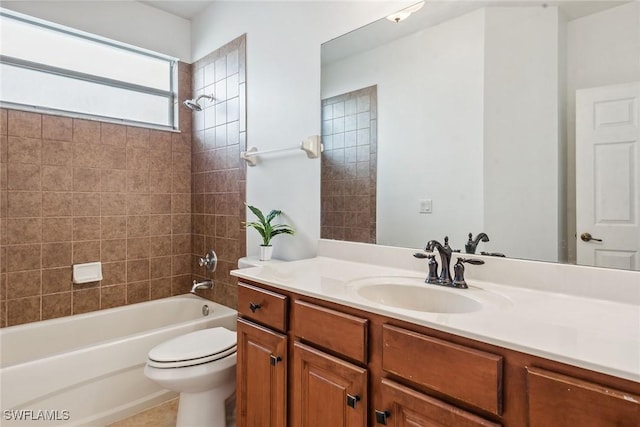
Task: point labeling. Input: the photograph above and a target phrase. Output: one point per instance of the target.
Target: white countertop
(592, 333)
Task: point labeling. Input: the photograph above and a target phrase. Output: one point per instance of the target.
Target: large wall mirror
(518, 119)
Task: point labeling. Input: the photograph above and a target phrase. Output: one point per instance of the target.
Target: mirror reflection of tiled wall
(348, 185)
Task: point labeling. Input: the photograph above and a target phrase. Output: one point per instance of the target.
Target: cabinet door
(327, 391)
(261, 376)
(563, 401)
(404, 407)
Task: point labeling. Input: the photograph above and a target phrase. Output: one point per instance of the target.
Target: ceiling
(186, 9)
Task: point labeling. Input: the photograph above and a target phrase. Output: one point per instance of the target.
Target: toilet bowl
(201, 366)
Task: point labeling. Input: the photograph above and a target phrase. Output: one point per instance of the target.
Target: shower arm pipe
(310, 145)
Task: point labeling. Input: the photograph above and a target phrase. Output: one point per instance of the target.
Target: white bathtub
(87, 369)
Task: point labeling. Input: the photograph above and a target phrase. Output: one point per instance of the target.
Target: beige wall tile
(86, 156)
(160, 204)
(138, 181)
(85, 179)
(55, 280)
(56, 305)
(86, 204)
(57, 128)
(88, 251)
(113, 296)
(23, 310)
(137, 226)
(137, 137)
(137, 158)
(138, 248)
(23, 257)
(138, 204)
(137, 270)
(57, 153)
(160, 140)
(57, 204)
(160, 267)
(114, 273)
(22, 123)
(114, 250)
(24, 230)
(24, 204)
(57, 229)
(87, 131)
(159, 181)
(159, 225)
(114, 180)
(159, 246)
(113, 227)
(181, 203)
(57, 178)
(181, 224)
(23, 284)
(113, 157)
(137, 292)
(114, 204)
(24, 150)
(23, 176)
(160, 288)
(86, 228)
(113, 134)
(56, 255)
(86, 300)
(3, 121)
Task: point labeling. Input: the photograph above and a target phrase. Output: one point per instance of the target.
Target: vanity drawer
(262, 306)
(466, 374)
(335, 331)
(561, 400)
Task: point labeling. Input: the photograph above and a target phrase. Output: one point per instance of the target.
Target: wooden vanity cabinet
(261, 383)
(304, 362)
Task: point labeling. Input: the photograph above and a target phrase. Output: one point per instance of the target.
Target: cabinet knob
(381, 417)
(352, 400)
(253, 307)
(274, 360)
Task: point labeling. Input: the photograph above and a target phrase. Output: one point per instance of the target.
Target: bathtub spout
(206, 284)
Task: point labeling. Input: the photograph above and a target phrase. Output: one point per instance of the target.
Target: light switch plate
(425, 206)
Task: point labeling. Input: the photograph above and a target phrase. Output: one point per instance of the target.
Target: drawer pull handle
(274, 360)
(253, 307)
(382, 416)
(352, 400)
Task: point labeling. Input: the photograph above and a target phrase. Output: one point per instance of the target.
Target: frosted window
(44, 65)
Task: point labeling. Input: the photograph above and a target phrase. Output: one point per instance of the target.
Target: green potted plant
(267, 230)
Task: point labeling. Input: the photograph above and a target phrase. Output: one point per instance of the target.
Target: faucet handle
(473, 261)
(421, 255)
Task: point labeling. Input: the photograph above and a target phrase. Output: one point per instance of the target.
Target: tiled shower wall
(218, 174)
(349, 166)
(75, 191)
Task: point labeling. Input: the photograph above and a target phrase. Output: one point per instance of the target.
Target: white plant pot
(266, 252)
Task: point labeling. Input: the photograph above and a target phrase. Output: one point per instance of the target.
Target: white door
(608, 176)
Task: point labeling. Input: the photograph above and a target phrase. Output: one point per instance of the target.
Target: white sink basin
(422, 298)
(411, 293)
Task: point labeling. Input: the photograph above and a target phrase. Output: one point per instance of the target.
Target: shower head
(194, 104)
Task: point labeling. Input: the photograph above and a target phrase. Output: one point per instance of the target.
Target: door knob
(587, 237)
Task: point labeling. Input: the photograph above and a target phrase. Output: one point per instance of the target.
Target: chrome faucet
(205, 284)
(472, 244)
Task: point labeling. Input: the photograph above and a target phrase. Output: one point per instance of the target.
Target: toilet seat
(194, 348)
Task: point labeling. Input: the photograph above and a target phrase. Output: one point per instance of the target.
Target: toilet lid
(197, 347)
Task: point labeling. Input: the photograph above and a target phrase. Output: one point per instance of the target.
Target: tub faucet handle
(209, 261)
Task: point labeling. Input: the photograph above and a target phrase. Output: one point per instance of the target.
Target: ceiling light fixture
(405, 13)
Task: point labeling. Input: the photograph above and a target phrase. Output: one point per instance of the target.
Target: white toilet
(201, 366)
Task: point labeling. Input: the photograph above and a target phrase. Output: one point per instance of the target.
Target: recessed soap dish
(88, 272)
